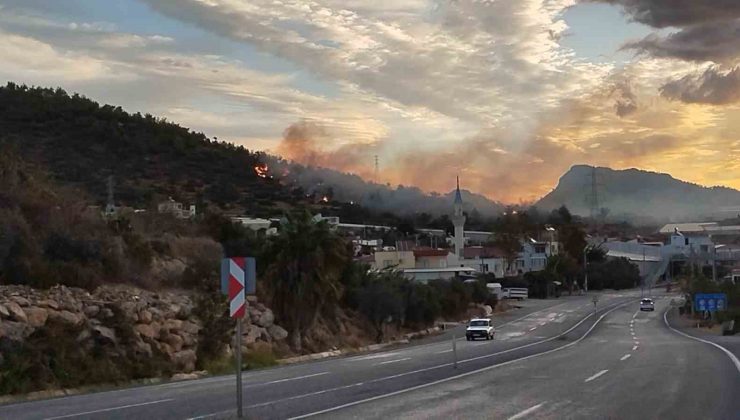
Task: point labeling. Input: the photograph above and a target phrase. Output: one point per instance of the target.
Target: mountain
(639, 196)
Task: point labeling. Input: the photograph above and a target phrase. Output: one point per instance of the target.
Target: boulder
(84, 335)
(185, 360)
(172, 325)
(145, 317)
(20, 300)
(14, 331)
(106, 313)
(189, 340)
(253, 334)
(4, 312)
(147, 331)
(267, 319)
(175, 341)
(65, 317)
(106, 335)
(36, 316)
(49, 303)
(129, 311)
(190, 327)
(16, 313)
(141, 347)
(91, 311)
(184, 376)
(277, 332)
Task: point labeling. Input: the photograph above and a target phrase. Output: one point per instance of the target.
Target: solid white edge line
(729, 354)
(462, 375)
(108, 409)
(591, 378)
(524, 413)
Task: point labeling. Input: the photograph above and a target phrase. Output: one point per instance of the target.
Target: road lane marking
(533, 328)
(444, 351)
(296, 378)
(634, 348)
(625, 357)
(109, 409)
(455, 377)
(526, 412)
(393, 361)
(729, 354)
(374, 356)
(591, 378)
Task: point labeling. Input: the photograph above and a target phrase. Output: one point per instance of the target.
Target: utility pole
(585, 268)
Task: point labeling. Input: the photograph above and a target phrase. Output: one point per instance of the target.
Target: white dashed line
(526, 412)
(394, 361)
(596, 375)
(634, 348)
(296, 378)
(533, 328)
(625, 357)
(109, 409)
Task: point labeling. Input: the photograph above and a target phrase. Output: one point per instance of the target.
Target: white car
(647, 304)
(480, 328)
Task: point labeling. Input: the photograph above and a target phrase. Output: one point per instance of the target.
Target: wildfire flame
(261, 170)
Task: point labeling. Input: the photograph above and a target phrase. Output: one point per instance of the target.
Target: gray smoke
(711, 87)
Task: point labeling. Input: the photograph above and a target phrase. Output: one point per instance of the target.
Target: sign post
(238, 278)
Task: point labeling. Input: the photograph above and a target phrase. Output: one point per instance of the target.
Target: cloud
(476, 61)
(678, 13)
(702, 42)
(714, 86)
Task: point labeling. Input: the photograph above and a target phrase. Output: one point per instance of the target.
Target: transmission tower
(592, 197)
(376, 169)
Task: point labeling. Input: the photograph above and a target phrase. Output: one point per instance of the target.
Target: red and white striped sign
(237, 299)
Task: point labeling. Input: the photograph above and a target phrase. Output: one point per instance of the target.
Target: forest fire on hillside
(261, 170)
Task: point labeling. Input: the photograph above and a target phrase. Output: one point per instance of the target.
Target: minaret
(458, 220)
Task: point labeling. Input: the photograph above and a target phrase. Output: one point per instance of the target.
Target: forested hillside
(80, 143)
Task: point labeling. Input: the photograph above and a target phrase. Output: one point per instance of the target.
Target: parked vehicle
(518, 293)
(480, 328)
(495, 289)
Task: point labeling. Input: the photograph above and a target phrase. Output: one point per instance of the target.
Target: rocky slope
(119, 322)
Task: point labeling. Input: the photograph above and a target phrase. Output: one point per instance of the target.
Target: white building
(176, 209)
(256, 224)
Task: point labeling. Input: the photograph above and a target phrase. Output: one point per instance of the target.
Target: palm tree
(306, 262)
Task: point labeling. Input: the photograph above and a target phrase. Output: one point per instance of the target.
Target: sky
(507, 94)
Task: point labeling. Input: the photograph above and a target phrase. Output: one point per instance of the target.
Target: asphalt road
(631, 366)
(323, 386)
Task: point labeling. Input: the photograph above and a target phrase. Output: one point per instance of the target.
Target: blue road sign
(711, 302)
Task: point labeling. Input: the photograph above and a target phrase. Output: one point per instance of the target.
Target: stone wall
(161, 322)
